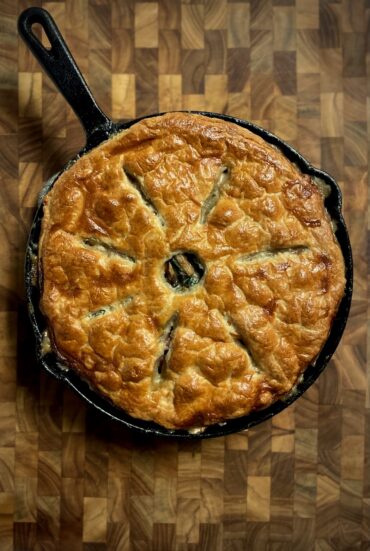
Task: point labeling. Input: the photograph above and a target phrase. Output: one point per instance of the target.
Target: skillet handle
(59, 64)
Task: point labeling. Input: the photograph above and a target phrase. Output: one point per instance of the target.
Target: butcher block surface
(70, 479)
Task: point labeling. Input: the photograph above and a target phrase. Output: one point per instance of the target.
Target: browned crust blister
(238, 339)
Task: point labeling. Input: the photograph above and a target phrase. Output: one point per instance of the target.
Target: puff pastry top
(189, 271)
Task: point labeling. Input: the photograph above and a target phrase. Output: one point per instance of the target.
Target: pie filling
(190, 272)
(184, 270)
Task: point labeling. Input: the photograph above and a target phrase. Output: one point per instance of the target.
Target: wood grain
(69, 479)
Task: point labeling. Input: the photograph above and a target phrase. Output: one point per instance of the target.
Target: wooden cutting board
(71, 480)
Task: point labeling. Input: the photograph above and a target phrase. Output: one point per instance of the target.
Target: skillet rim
(52, 364)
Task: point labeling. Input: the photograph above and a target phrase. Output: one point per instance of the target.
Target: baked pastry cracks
(190, 272)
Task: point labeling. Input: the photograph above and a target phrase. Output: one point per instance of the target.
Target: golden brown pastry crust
(234, 342)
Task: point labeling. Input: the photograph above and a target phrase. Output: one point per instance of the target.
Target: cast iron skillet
(61, 68)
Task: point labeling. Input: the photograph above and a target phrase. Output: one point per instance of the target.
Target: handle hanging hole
(39, 32)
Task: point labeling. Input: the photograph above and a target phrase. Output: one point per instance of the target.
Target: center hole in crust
(183, 270)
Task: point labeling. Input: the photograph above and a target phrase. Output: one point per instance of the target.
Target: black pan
(61, 68)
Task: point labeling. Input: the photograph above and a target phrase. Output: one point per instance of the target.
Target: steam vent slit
(107, 248)
(166, 338)
(183, 270)
(239, 340)
(212, 199)
(108, 308)
(138, 183)
(268, 254)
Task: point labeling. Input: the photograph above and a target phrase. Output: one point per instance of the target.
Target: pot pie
(189, 271)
